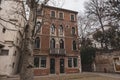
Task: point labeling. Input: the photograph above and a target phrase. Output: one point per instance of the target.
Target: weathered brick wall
(67, 37)
(104, 61)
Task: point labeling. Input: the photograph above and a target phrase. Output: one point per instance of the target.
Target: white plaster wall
(10, 36)
(1, 35)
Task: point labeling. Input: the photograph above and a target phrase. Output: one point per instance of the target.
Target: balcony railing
(57, 51)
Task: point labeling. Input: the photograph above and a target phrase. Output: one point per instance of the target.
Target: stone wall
(104, 62)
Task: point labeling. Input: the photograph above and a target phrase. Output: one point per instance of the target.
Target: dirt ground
(80, 76)
(77, 76)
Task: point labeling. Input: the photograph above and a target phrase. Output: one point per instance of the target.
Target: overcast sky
(76, 5)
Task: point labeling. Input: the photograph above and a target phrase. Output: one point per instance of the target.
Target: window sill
(72, 20)
(61, 19)
(36, 48)
(40, 68)
(73, 67)
(75, 50)
(53, 17)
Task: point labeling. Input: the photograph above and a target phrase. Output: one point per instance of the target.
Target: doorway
(61, 65)
(52, 66)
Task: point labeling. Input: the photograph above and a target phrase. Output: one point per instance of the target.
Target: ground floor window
(39, 62)
(69, 62)
(4, 52)
(72, 62)
(75, 62)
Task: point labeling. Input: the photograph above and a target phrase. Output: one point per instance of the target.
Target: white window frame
(73, 62)
(40, 61)
(59, 14)
(51, 14)
(71, 18)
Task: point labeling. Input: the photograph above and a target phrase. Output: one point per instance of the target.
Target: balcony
(57, 51)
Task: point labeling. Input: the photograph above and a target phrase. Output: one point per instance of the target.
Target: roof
(61, 9)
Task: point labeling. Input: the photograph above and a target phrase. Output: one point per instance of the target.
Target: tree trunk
(27, 64)
(27, 54)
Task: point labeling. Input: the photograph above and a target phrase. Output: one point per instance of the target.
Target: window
(39, 62)
(52, 43)
(61, 15)
(73, 31)
(69, 62)
(36, 61)
(0, 1)
(4, 52)
(72, 17)
(61, 44)
(37, 42)
(43, 62)
(4, 30)
(74, 45)
(39, 12)
(61, 29)
(13, 65)
(37, 27)
(15, 53)
(17, 41)
(53, 14)
(75, 62)
(72, 62)
(53, 29)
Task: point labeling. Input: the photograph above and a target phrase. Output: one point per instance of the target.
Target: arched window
(52, 43)
(73, 31)
(37, 42)
(37, 27)
(61, 44)
(61, 29)
(52, 28)
(74, 45)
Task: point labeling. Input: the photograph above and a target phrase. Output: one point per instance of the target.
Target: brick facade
(56, 59)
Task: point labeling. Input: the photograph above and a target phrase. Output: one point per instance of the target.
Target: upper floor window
(61, 29)
(39, 12)
(13, 65)
(37, 27)
(61, 44)
(52, 28)
(53, 14)
(72, 17)
(0, 1)
(61, 16)
(37, 42)
(52, 43)
(3, 30)
(73, 31)
(74, 45)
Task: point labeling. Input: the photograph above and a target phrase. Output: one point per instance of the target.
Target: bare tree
(96, 10)
(85, 27)
(27, 65)
(113, 9)
(29, 35)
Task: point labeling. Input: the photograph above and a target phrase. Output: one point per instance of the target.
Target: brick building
(56, 47)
